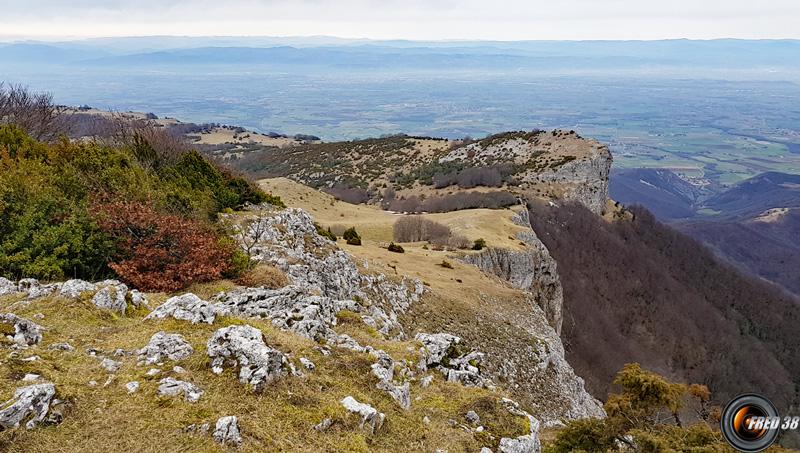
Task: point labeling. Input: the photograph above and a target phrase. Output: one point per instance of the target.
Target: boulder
(26, 333)
(369, 415)
(132, 386)
(187, 307)
(173, 387)
(226, 431)
(244, 346)
(30, 403)
(72, 289)
(165, 346)
(307, 364)
(111, 296)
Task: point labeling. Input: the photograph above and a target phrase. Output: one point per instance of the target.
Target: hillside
(416, 173)
(631, 287)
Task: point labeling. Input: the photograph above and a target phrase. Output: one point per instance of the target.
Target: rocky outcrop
(532, 270)
(244, 346)
(72, 289)
(441, 351)
(289, 240)
(370, 416)
(187, 307)
(383, 369)
(31, 403)
(290, 308)
(164, 346)
(26, 333)
(528, 443)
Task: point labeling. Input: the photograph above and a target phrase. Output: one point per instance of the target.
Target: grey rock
(437, 346)
(522, 444)
(244, 346)
(26, 333)
(486, 450)
(426, 420)
(426, 381)
(153, 372)
(472, 417)
(187, 307)
(61, 347)
(173, 387)
(324, 424)
(8, 287)
(72, 289)
(138, 299)
(179, 370)
(307, 364)
(110, 365)
(164, 346)
(34, 289)
(226, 431)
(31, 403)
(369, 415)
(132, 386)
(29, 377)
(439, 351)
(290, 308)
(111, 297)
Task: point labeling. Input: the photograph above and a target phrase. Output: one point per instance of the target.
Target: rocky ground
(341, 358)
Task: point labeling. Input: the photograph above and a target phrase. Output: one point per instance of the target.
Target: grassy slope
(106, 418)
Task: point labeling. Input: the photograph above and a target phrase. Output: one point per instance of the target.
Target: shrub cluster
(396, 248)
(455, 202)
(56, 202)
(351, 236)
(326, 233)
(418, 228)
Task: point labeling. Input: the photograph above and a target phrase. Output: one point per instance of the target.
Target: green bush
(47, 228)
(326, 233)
(351, 236)
(479, 244)
(396, 248)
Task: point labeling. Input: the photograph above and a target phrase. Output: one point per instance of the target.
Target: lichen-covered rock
(369, 415)
(187, 307)
(111, 296)
(173, 387)
(165, 346)
(26, 333)
(291, 308)
(244, 346)
(72, 289)
(31, 403)
(226, 431)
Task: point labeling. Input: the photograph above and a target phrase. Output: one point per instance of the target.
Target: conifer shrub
(396, 248)
(351, 236)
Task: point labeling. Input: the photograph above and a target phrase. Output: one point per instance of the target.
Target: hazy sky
(409, 19)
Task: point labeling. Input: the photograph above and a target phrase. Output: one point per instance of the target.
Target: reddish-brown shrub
(161, 252)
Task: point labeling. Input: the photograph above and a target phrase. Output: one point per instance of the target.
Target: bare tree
(249, 232)
(35, 113)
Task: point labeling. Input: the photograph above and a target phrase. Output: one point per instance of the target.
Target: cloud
(411, 19)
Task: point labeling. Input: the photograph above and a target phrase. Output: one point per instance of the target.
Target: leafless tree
(33, 112)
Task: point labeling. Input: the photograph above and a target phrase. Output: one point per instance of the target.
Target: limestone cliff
(532, 270)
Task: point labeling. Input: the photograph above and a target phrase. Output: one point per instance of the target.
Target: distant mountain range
(495, 55)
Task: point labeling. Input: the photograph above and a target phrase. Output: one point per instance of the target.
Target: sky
(404, 19)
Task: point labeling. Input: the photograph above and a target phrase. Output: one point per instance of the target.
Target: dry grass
(264, 275)
(106, 418)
